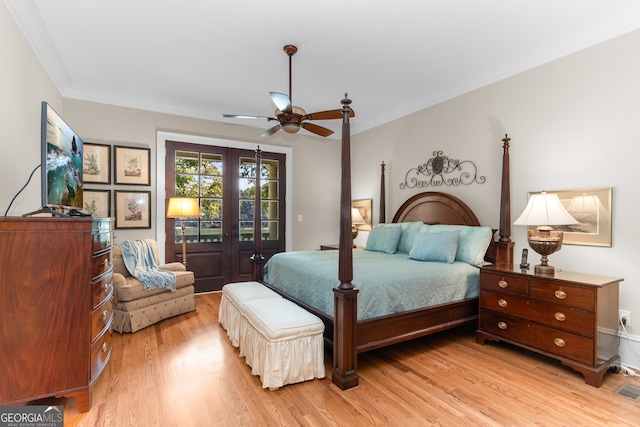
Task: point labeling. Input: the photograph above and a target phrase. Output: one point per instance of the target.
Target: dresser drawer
(556, 316)
(101, 241)
(101, 318)
(100, 264)
(504, 283)
(554, 341)
(101, 289)
(568, 295)
(100, 352)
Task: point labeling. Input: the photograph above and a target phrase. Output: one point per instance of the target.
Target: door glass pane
(211, 186)
(269, 169)
(269, 230)
(210, 231)
(246, 230)
(186, 162)
(211, 164)
(211, 209)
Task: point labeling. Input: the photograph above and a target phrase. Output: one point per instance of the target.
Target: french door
(220, 242)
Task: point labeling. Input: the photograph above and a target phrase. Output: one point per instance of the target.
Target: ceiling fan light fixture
(291, 127)
(291, 118)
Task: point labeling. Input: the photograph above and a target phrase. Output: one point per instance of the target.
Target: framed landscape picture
(96, 161)
(97, 202)
(132, 165)
(133, 209)
(592, 209)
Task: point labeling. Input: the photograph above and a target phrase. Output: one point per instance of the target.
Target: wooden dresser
(55, 307)
(569, 316)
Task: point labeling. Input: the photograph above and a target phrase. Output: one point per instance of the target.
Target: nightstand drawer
(557, 342)
(504, 283)
(566, 295)
(556, 316)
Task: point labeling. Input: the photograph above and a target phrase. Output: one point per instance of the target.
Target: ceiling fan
(290, 117)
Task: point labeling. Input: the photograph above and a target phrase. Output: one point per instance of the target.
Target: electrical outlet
(625, 317)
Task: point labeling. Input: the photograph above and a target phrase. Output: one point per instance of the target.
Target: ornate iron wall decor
(441, 170)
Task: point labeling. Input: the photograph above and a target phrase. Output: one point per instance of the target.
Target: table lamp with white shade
(356, 220)
(544, 210)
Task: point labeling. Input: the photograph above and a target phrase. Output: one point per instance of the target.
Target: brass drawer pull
(105, 263)
(560, 294)
(106, 286)
(502, 303)
(502, 325)
(560, 317)
(104, 316)
(503, 284)
(559, 342)
(104, 347)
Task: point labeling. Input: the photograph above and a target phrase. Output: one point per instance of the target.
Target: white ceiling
(202, 58)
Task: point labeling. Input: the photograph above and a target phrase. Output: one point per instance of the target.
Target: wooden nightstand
(572, 317)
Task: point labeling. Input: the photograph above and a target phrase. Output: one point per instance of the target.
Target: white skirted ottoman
(282, 342)
(233, 296)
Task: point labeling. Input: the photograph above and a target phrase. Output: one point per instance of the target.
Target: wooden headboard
(441, 208)
(436, 208)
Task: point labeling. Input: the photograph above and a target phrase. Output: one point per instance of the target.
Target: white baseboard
(629, 351)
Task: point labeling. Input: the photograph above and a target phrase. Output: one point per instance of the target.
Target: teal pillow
(437, 247)
(473, 242)
(408, 234)
(384, 238)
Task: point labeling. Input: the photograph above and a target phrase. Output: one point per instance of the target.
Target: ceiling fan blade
(245, 116)
(271, 131)
(318, 130)
(282, 101)
(327, 115)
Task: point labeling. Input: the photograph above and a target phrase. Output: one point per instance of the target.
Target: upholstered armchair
(136, 307)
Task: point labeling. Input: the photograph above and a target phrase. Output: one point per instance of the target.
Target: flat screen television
(62, 152)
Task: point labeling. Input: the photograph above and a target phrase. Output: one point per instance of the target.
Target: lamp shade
(183, 207)
(356, 218)
(545, 209)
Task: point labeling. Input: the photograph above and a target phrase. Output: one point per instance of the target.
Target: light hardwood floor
(184, 372)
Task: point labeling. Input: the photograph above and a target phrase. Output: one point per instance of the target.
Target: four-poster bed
(350, 335)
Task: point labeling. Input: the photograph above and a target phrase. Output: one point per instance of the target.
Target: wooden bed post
(383, 208)
(257, 259)
(504, 253)
(345, 354)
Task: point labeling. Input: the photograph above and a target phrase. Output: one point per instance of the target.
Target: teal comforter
(388, 284)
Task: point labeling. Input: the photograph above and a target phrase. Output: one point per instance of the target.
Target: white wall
(574, 123)
(24, 84)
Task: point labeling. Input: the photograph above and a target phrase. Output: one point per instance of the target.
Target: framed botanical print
(132, 165)
(97, 202)
(96, 163)
(133, 209)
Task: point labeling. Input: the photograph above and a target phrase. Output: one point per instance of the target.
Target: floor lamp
(182, 208)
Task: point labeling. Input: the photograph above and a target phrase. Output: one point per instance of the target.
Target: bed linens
(387, 283)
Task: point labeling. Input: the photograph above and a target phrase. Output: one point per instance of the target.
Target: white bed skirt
(278, 362)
